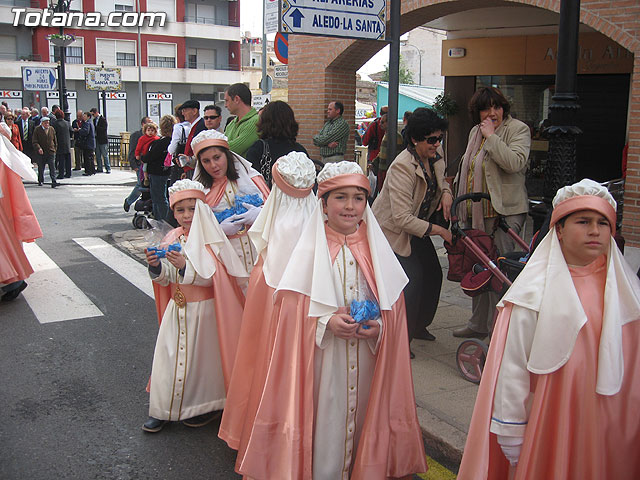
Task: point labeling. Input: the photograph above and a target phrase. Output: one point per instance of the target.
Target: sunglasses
(211, 117)
(433, 140)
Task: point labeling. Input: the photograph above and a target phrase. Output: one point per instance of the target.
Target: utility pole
(394, 79)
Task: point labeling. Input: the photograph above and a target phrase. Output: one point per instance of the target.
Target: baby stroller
(143, 207)
(475, 262)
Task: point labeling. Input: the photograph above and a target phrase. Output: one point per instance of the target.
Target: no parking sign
(281, 47)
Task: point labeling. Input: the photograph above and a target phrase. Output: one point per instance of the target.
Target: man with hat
(45, 145)
(191, 112)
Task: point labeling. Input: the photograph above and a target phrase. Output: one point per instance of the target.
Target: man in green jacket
(241, 131)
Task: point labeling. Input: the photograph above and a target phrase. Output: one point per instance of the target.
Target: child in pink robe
(559, 394)
(274, 234)
(338, 398)
(200, 302)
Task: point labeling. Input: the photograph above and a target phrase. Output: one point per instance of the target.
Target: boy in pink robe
(274, 235)
(338, 398)
(559, 394)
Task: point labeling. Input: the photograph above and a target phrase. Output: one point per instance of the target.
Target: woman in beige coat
(413, 190)
(495, 162)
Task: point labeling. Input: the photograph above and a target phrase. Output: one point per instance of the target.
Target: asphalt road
(73, 392)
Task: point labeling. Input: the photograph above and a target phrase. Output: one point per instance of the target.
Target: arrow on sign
(297, 18)
(52, 77)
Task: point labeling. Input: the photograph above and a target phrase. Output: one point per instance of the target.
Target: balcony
(211, 21)
(13, 57)
(210, 66)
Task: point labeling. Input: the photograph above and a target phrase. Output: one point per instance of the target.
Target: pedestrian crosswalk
(54, 297)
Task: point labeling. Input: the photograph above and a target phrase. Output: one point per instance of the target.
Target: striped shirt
(334, 130)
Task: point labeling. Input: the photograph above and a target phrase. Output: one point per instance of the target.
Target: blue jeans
(102, 155)
(135, 193)
(158, 190)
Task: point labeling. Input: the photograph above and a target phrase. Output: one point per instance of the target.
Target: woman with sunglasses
(414, 189)
(495, 162)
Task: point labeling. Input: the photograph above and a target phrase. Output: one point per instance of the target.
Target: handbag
(461, 257)
(437, 218)
(180, 147)
(266, 163)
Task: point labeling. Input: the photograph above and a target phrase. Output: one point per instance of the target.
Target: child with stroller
(200, 304)
(338, 397)
(559, 393)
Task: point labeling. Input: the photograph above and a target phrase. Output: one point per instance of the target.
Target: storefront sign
(103, 78)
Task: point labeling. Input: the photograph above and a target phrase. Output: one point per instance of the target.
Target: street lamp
(62, 6)
(406, 44)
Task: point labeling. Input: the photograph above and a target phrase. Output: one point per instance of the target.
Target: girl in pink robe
(559, 395)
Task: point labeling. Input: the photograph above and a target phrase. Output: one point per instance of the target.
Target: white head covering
(545, 286)
(283, 216)
(208, 138)
(584, 195)
(14, 158)
(205, 231)
(309, 270)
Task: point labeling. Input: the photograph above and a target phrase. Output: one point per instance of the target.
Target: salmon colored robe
(18, 224)
(572, 432)
(229, 303)
(280, 443)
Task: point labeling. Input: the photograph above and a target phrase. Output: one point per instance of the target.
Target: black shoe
(54, 185)
(153, 425)
(202, 420)
(425, 335)
(86, 174)
(60, 177)
(466, 332)
(99, 171)
(108, 171)
(39, 184)
(76, 169)
(126, 205)
(13, 294)
(67, 176)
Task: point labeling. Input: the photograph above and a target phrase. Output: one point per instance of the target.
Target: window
(168, 6)
(8, 48)
(116, 52)
(122, 8)
(202, 58)
(125, 59)
(73, 53)
(162, 55)
(75, 6)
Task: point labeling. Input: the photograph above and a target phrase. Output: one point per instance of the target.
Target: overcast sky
(251, 20)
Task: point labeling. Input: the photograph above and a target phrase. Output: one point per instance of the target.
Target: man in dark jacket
(87, 142)
(76, 125)
(63, 154)
(102, 141)
(26, 126)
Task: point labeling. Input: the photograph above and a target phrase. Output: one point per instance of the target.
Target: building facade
(196, 54)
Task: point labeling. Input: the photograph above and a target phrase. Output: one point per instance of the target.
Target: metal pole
(62, 88)
(263, 83)
(394, 79)
(104, 99)
(563, 132)
(142, 111)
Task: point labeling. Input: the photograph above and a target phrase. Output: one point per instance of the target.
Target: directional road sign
(281, 71)
(335, 18)
(39, 78)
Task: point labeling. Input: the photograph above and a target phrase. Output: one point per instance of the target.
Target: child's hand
(152, 258)
(342, 326)
(368, 334)
(176, 259)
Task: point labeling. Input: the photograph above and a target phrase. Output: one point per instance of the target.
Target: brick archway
(323, 69)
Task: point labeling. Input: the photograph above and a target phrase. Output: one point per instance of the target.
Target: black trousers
(422, 293)
(89, 166)
(46, 159)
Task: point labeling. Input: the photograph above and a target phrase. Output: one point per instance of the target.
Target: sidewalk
(118, 176)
